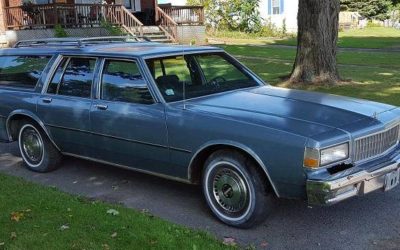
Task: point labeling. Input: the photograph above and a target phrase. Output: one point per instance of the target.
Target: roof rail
(80, 42)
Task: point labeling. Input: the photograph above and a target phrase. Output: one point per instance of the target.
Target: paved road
(371, 222)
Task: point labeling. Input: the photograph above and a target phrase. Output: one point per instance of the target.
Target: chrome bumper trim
(363, 182)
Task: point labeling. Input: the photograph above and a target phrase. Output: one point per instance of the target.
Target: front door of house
(133, 5)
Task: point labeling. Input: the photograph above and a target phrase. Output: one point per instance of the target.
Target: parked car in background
(196, 115)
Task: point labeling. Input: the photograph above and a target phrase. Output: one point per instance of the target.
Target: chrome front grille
(376, 144)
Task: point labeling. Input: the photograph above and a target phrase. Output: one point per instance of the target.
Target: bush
(113, 30)
(372, 24)
(59, 31)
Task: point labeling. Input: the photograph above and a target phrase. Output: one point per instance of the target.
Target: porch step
(152, 37)
(154, 33)
(151, 29)
(166, 40)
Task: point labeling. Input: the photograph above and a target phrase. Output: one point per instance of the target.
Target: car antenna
(184, 82)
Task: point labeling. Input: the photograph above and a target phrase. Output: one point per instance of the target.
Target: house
(20, 19)
(281, 13)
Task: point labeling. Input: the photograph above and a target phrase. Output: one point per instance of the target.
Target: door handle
(47, 100)
(101, 106)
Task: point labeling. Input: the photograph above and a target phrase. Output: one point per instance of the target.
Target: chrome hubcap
(32, 145)
(230, 191)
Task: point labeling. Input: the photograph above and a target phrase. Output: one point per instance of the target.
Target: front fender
(239, 146)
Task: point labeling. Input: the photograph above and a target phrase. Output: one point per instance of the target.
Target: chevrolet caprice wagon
(194, 114)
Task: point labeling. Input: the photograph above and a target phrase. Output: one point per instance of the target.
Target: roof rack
(80, 42)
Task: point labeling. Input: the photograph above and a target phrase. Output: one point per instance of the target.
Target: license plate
(392, 180)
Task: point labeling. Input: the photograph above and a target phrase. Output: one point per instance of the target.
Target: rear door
(128, 126)
(64, 105)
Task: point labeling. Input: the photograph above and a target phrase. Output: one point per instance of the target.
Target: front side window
(73, 77)
(21, 71)
(198, 75)
(123, 82)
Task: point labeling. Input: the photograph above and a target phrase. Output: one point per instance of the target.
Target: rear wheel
(37, 151)
(235, 190)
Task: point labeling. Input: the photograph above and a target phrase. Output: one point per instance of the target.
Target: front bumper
(321, 192)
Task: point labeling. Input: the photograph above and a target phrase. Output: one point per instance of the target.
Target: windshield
(190, 76)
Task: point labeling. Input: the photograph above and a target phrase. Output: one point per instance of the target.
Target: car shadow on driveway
(370, 222)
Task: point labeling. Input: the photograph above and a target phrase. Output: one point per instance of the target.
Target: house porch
(131, 15)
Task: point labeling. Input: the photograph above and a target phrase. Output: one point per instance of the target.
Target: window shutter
(269, 7)
(282, 7)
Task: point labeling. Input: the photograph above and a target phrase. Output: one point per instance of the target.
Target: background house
(281, 13)
(82, 18)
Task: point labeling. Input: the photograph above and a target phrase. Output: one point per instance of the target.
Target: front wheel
(37, 151)
(235, 190)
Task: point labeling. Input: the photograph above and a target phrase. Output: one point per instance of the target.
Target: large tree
(318, 29)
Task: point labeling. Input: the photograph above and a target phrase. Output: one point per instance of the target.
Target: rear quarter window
(21, 71)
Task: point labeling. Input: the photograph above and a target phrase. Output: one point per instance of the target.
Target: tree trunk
(318, 30)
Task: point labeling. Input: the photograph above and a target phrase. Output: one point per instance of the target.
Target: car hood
(300, 112)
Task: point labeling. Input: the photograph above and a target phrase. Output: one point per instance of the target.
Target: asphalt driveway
(370, 222)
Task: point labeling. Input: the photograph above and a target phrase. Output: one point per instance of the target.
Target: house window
(276, 7)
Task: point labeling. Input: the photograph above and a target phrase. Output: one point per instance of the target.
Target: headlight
(315, 158)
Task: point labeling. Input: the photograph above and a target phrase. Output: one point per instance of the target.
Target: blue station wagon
(196, 115)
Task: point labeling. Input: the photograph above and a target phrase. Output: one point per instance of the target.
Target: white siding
(173, 2)
(289, 14)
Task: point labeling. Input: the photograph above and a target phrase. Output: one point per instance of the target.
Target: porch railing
(167, 24)
(185, 15)
(71, 15)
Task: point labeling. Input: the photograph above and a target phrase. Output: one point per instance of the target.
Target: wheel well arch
(197, 163)
(15, 119)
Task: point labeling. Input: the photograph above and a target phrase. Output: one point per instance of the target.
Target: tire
(37, 151)
(235, 189)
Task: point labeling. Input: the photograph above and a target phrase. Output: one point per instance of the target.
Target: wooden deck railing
(167, 24)
(186, 15)
(123, 17)
(71, 15)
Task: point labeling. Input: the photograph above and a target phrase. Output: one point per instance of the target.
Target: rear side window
(73, 77)
(123, 82)
(21, 71)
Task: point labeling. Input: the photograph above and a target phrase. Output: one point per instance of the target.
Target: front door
(65, 106)
(133, 5)
(128, 127)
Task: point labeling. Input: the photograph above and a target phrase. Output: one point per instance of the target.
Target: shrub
(59, 31)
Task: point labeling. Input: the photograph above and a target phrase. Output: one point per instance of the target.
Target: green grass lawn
(372, 37)
(50, 219)
(374, 76)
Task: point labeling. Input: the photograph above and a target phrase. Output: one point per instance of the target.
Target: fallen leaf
(114, 235)
(64, 227)
(106, 246)
(13, 235)
(112, 212)
(228, 241)
(17, 216)
(147, 213)
(264, 244)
